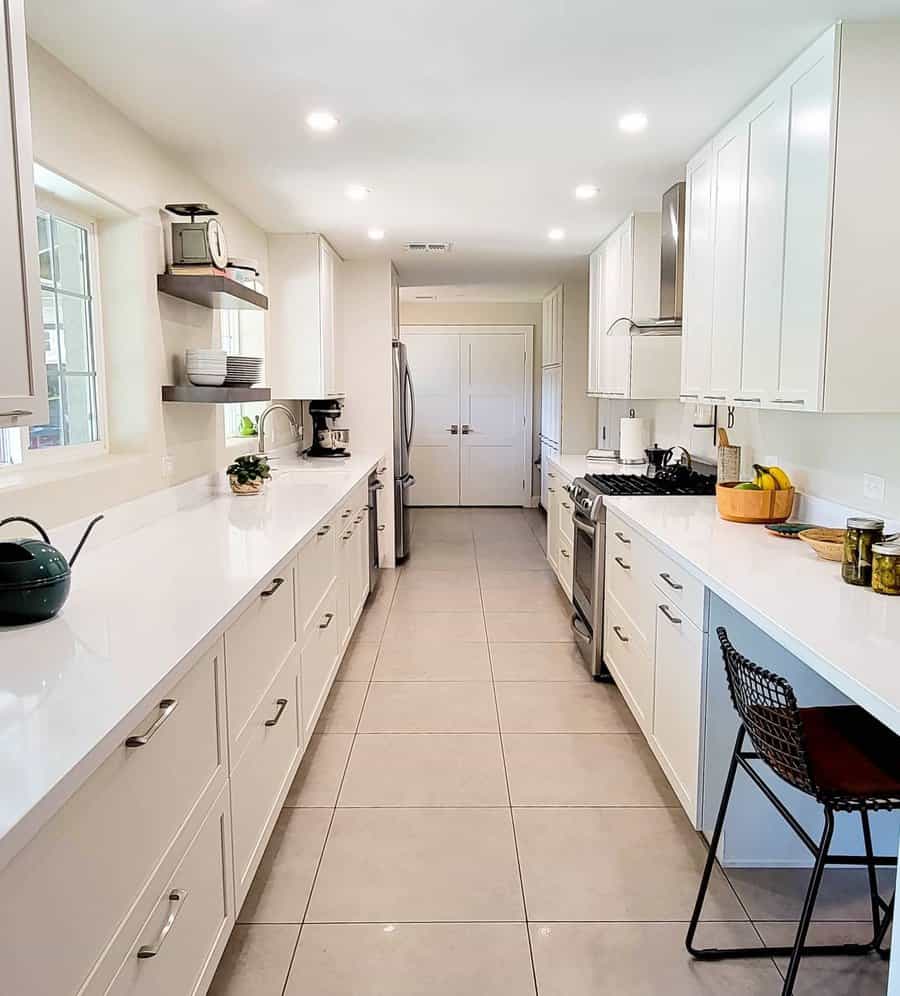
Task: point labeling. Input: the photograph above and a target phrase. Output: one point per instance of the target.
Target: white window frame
(77, 451)
(252, 408)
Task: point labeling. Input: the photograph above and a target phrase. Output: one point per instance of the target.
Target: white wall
(80, 136)
(489, 313)
(367, 331)
(826, 455)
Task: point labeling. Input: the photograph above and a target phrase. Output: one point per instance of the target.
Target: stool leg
(873, 880)
(883, 929)
(809, 903)
(711, 855)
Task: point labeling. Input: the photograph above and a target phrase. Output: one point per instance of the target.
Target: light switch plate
(873, 487)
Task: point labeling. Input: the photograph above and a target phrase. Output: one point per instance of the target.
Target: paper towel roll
(634, 438)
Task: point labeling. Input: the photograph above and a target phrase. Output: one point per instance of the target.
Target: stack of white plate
(206, 367)
(243, 370)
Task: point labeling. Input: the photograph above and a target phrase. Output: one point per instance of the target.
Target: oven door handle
(579, 524)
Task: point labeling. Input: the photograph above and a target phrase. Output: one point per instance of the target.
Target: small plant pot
(250, 488)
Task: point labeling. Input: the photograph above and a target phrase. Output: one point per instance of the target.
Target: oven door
(587, 590)
(583, 568)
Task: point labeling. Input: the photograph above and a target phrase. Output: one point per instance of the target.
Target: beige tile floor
(475, 815)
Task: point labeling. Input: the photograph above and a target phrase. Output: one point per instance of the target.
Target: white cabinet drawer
(619, 536)
(258, 778)
(256, 646)
(318, 661)
(678, 587)
(178, 946)
(627, 654)
(676, 712)
(76, 881)
(566, 564)
(628, 577)
(566, 525)
(318, 565)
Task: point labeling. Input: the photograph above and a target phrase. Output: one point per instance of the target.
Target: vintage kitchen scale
(198, 243)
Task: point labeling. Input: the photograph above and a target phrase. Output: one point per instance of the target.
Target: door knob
(453, 430)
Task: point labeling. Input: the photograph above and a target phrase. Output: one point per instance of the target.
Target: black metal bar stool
(839, 755)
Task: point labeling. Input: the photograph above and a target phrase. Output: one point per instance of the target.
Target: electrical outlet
(873, 487)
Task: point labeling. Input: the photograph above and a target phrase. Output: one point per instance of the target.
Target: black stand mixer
(328, 440)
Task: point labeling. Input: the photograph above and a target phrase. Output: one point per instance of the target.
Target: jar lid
(887, 549)
(865, 523)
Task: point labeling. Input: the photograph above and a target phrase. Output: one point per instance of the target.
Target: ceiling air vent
(428, 246)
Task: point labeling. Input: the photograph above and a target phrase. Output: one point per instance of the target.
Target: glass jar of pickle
(861, 536)
(886, 568)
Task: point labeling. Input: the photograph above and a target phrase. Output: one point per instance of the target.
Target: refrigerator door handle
(407, 482)
(412, 409)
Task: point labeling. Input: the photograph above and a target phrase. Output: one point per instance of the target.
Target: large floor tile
(531, 559)
(584, 769)
(524, 582)
(540, 599)
(615, 864)
(863, 976)
(562, 707)
(343, 707)
(429, 769)
(540, 626)
(438, 591)
(256, 960)
(537, 662)
(418, 865)
(441, 555)
(358, 662)
(462, 627)
(644, 959)
(372, 622)
(286, 872)
(490, 959)
(777, 893)
(321, 770)
(430, 707)
(430, 660)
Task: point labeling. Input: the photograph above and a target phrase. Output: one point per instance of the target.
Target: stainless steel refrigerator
(404, 426)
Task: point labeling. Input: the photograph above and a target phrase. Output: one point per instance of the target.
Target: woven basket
(759, 507)
(828, 543)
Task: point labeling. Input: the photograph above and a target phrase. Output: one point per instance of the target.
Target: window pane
(41, 437)
(81, 421)
(43, 227)
(74, 316)
(70, 257)
(51, 339)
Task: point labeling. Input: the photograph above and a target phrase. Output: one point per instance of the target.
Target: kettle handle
(81, 542)
(31, 522)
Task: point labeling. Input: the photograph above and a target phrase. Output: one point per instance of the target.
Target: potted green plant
(248, 474)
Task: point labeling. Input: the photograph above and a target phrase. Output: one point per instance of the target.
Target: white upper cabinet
(624, 284)
(552, 328)
(800, 312)
(304, 336)
(23, 377)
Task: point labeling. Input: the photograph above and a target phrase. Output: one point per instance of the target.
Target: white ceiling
(470, 121)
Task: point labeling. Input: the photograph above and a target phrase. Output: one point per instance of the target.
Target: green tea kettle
(34, 576)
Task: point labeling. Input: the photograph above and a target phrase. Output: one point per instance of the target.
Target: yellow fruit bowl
(759, 507)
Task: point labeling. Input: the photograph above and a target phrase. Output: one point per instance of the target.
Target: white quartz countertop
(849, 635)
(143, 605)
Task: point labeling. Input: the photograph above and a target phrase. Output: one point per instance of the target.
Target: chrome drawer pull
(269, 592)
(664, 609)
(381, 529)
(623, 538)
(377, 486)
(713, 397)
(755, 400)
(788, 401)
(16, 413)
(166, 708)
(282, 705)
(357, 520)
(346, 536)
(328, 617)
(565, 504)
(324, 530)
(564, 553)
(347, 514)
(619, 634)
(622, 564)
(672, 584)
(176, 903)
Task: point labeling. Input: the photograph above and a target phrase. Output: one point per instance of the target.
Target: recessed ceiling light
(556, 234)
(585, 191)
(357, 192)
(376, 234)
(633, 122)
(321, 120)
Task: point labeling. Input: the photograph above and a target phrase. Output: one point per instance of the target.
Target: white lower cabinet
(676, 709)
(627, 654)
(319, 660)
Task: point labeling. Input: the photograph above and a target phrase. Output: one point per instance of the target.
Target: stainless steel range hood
(671, 273)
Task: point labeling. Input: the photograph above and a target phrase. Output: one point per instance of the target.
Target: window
(243, 333)
(68, 305)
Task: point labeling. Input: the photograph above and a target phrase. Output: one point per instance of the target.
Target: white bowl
(206, 380)
(204, 367)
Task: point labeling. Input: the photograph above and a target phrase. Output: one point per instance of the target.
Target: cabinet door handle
(565, 504)
(346, 514)
(620, 635)
(357, 520)
(664, 609)
(328, 617)
(622, 564)
(382, 528)
(453, 429)
(688, 395)
(564, 553)
(324, 530)
(269, 592)
(377, 486)
(166, 708)
(713, 397)
(754, 400)
(16, 413)
(346, 536)
(466, 430)
(282, 705)
(176, 905)
(788, 401)
(672, 584)
(623, 538)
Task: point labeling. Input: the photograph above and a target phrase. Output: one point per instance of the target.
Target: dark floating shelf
(190, 395)
(212, 292)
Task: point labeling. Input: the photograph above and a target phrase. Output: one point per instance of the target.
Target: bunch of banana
(771, 478)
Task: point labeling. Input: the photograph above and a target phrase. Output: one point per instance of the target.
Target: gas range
(588, 491)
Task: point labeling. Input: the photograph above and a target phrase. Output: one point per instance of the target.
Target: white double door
(470, 441)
